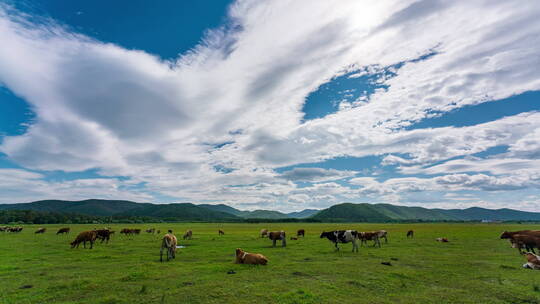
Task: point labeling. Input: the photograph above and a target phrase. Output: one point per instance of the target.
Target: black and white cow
(342, 236)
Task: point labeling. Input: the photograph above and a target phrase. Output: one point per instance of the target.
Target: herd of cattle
(527, 240)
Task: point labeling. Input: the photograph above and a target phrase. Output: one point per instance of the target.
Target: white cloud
(126, 112)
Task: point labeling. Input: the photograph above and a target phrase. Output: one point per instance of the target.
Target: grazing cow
(369, 236)
(278, 235)
(136, 231)
(63, 230)
(342, 236)
(442, 240)
(510, 234)
(126, 231)
(3, 228)
(300, 232)
(533, 261)
(188, 235)
(41, 230)
(382, 235)
(410, 234)
(243, 257)
(169, 243)
(529, 242)
(104, 235)
(151, 230)
(220, 232)
(16, 229)
(83, 237)
(264, 233)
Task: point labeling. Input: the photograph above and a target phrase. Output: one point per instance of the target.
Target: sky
(280, 105)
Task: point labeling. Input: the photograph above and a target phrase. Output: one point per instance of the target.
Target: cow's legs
(385, 240)
(273, 243)
(84, 244)
(337, 247)
(91, 244)
(283, 242)
(161, 254)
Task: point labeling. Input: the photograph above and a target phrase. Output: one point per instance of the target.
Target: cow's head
(324, 234)
(505, 235)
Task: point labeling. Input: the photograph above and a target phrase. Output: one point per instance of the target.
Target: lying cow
(533, 261)
(278, 235)
(40, 230)
(243, 257)
(369, 236)
(188, 235)
(168, 243)
(264, 233)
(83, 237)
(528, 242)
(442, 240)
(342, 236)
(63, 230)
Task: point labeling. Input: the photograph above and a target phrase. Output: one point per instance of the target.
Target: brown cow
(410, 234)
(41, 230)
(83, 237)
(243, 257)
(136, 231)
(533, 261)
(63, 230)
(169, 243)
(278, 235)
(220, 232)
(529, 242)
(510, 234)
(369, 236)
(104, 235)
(300, 232)
(264, 233)
(188, 235)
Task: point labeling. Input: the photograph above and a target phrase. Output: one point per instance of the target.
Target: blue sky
(285, 105)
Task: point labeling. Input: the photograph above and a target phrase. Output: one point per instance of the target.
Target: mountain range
(345, 212)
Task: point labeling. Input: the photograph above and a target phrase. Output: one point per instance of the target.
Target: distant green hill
(184, 211)
(89, 207)
(346, 212)
(303, 214)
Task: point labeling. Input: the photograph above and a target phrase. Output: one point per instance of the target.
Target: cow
(169, 243)
(136, 231)
(382, 234)
(3, 228)
(126, 231)
(158, 232)
(264, 233)
(410, 234)
(83, 237)
(294, 238)
(14, 229)
(40, 230)
(342, 236)
(151, 230)
(278, 235)
(104, 235)
(63, 230)
(300, 232)
(533, 261)
(188, 235)
(510, 234)
(220, 232)
(529, 242)
(442, 240)
(243, 257)
(369, 236)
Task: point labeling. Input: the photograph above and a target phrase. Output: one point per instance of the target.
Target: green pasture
(474, 267)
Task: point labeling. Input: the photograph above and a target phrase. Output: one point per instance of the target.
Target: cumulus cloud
(235, 101)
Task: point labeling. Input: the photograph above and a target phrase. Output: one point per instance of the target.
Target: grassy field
(475, 267)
